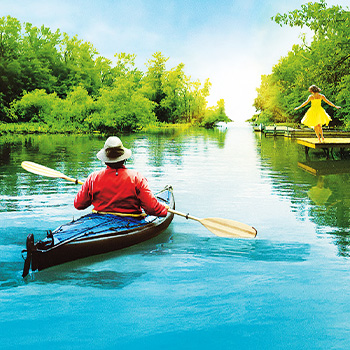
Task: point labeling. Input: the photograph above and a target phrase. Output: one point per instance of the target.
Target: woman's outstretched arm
(304, 103)
(329, 102)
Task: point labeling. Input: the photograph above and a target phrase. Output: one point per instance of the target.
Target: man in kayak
(117, 189)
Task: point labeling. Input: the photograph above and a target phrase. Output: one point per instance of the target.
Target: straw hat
(113, 151)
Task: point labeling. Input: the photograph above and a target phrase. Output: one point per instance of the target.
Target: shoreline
(40, 128)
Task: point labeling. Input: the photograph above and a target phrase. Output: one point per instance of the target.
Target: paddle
(223, 227)
(220, 227)
(43, 170)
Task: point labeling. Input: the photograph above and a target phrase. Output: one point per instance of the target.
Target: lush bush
(35, 106)
(121, 108)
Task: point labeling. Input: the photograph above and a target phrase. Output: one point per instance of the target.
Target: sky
(231, 42)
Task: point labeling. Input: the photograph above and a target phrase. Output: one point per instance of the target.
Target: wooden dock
(294, 133)
(308, 133)
(328, 144)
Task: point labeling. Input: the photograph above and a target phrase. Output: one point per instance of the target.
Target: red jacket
(122, 191)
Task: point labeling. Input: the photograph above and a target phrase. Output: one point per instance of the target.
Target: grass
(42, 128)
(37, 128)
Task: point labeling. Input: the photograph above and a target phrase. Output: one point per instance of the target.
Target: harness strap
(120, 214)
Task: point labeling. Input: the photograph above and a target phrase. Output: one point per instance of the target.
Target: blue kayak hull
(95, 234)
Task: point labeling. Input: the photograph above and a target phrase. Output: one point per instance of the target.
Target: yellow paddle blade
(45, 171)
(222, 227)
(228, 228)
(41, 170)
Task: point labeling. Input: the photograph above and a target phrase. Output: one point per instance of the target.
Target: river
(187, 288)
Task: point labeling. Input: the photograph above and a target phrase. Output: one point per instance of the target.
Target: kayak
(94, 234)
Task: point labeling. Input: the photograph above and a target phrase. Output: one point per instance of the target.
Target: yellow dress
(316, 115)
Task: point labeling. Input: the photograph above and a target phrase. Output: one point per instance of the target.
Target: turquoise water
(187, 288)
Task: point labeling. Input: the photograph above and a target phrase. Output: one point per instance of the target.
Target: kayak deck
(92, 226)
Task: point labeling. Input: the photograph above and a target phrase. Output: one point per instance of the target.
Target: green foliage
(36, 106)
(177, 98)
(121, 108)
(78, 105)
(324, 62)
(343, 100)
(214, 115)
(153, 84)
(37, 128)
(47, 77)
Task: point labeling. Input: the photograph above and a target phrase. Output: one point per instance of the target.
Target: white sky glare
(231, 42)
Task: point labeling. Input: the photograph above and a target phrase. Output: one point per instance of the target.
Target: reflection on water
(186, 283)
(326, 167)
(175, 157)
(319, 194)
(324, 182)
(76, 156)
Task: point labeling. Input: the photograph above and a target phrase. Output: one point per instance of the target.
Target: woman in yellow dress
(316, 116)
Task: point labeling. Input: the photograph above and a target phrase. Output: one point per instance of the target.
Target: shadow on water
(106, 279)
(255, 250)
(86, 278)
(66, 274)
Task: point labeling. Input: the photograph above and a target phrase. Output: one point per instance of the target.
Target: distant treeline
(63, 83)
(324, 62)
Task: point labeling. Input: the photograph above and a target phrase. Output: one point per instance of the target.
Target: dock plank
(333, 142)
(309, 133)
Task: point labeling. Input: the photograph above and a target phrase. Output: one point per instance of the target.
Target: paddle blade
(45, 171)
(41, 170)
(228, 228)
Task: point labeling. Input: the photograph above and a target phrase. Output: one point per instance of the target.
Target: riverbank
(38, 128)
(42, 128)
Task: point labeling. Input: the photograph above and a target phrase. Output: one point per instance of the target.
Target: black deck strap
(187, 215)
(30, 248)
(50, 235)
(76, 181)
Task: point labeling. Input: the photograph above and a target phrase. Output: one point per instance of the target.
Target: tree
(324, 62)
(80, 68)
(153, 84)
(122, 106)
(78, 106)
(174, 84)
(214, 115)
(120, 109)
(49, 77)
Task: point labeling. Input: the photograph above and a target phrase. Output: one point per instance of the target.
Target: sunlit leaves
(51, 78)
(324, 62)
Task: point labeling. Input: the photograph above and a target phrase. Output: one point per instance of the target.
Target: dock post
(326, 152)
